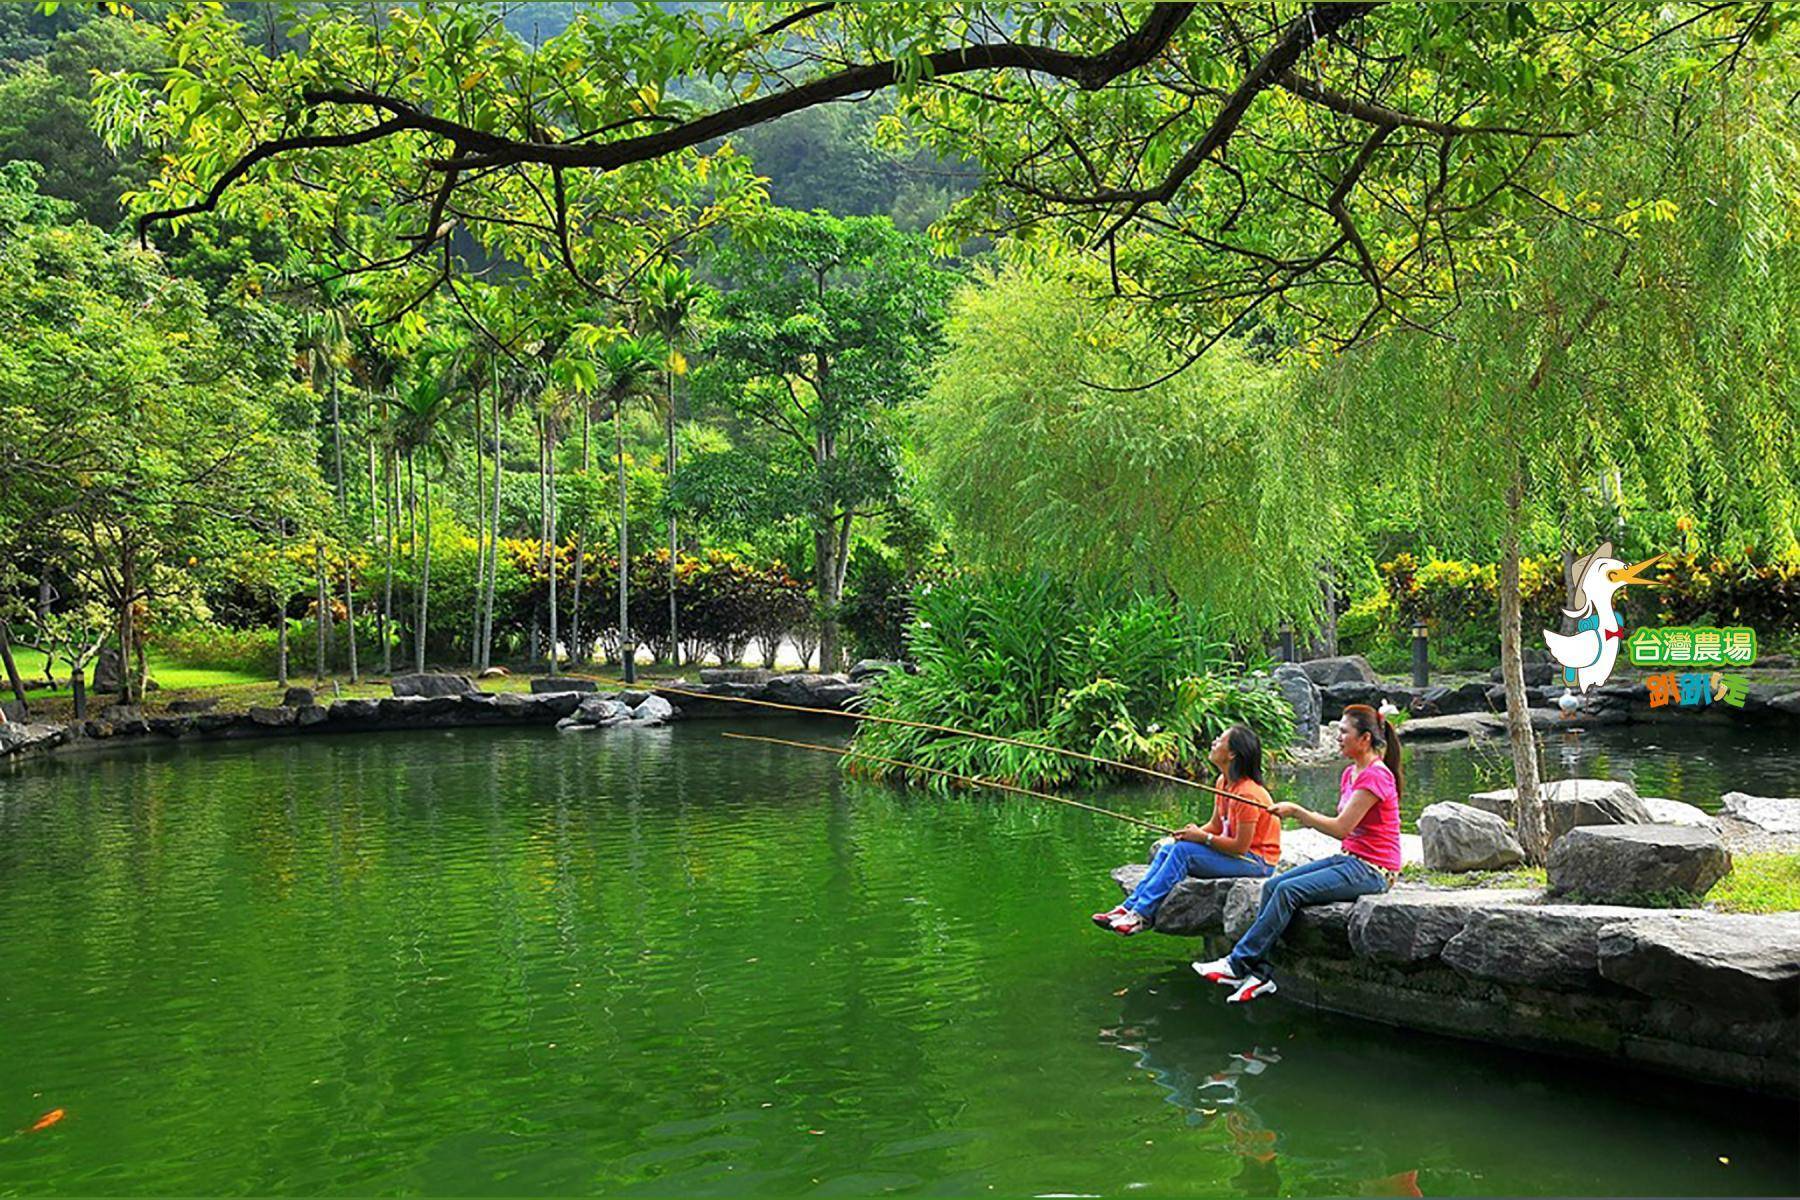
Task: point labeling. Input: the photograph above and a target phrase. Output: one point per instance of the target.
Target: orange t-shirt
(1265, 838)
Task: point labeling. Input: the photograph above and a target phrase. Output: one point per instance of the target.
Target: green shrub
(1133, 678)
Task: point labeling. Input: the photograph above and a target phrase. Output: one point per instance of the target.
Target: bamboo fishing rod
(844, 752)
(968, 733)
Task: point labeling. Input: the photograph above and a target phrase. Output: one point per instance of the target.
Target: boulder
(206, 704)
(594, 712)
(1499, 802)
(12, 710)
(1130, 875)
(561, 683)
(810, 690)
(1451, 726)
(308, 715)
(431, 685)
(354, 712)
(1443, 700)
(1301, 846)
(419, 710)
(1458, 837)
(1413, 925)
(750, 675)
(631, 697)
(870, 668)
(1574, 803)
(1537, 674)
(1626, 863)
(1344, 668)
(1338, 696)
(272, 718)
(1243, 900)
(1734, 964)
(109, 673)
(546, 707)
(1772, 814)
(1787, 702)
(1298, 689)
(1538, 945)
(653, 710)
(297, 697)
(1192, 907)
(1674, 812)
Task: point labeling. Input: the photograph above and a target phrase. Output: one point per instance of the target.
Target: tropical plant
(1139, 679)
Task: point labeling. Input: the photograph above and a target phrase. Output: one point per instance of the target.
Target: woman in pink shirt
(1367, 822)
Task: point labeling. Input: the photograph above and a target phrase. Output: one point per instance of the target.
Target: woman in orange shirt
(1242, 840)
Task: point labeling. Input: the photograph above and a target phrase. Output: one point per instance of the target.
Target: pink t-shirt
(1377, 838)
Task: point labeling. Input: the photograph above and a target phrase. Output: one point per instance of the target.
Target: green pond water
(660, 962)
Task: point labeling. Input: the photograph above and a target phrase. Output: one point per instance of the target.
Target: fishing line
(986, 737)
(964, 779)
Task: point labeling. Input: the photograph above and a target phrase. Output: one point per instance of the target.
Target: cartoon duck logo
(1588, 654)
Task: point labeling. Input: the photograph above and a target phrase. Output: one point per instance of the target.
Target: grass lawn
(238, 690)
(1759, 883)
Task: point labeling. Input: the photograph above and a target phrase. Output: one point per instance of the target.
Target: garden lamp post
(628, 658)
(1286, 631)
(1421, 658)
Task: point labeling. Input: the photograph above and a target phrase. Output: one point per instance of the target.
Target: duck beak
(1634, 573)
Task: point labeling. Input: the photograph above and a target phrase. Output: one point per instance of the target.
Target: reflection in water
(659, 963)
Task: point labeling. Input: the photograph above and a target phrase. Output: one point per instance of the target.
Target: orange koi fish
(1404, 1183)
(47, 1120)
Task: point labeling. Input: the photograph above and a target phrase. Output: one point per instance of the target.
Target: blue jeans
(1323, 881)
(1176, 861)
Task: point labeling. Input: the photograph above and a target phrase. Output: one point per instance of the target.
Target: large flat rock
(1409, 926)
(1461, 837)
(1629, 863)
(1772, 814)
(1539, 945)
(1453, 725)
(1721, 962)
(428, 683)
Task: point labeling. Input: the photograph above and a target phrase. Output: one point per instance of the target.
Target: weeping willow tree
(1641, 354)
(1046, 452)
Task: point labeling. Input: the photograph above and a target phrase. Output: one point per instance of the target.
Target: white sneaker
(1219, 970)
(1251, 989)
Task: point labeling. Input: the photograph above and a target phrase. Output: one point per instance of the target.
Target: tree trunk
(12, 670)
(78, 690)
(550, 518)
(390, 501)
(480, 551)
(577, 647)
(337, 451)
(830, 558)
(324, 599)
(424, 581)
(487, 620)
(669, 497)
(1528, 810)
(412, 541)
(281, 600)
(127, 591)
(624, 535)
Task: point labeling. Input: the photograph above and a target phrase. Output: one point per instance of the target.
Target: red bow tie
(1613, 633)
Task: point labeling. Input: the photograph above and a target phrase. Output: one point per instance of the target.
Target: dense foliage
(1139, 679)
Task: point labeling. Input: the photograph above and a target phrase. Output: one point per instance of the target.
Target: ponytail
(1390, 753)
(1382, 735)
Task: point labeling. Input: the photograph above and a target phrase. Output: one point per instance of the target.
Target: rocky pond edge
(1707, 996)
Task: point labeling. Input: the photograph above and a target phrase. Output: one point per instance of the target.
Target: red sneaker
(1104, 920)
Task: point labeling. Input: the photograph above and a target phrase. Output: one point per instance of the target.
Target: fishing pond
(656, 962)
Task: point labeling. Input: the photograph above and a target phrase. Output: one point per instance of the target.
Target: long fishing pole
(844, 752)
(968, 733)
